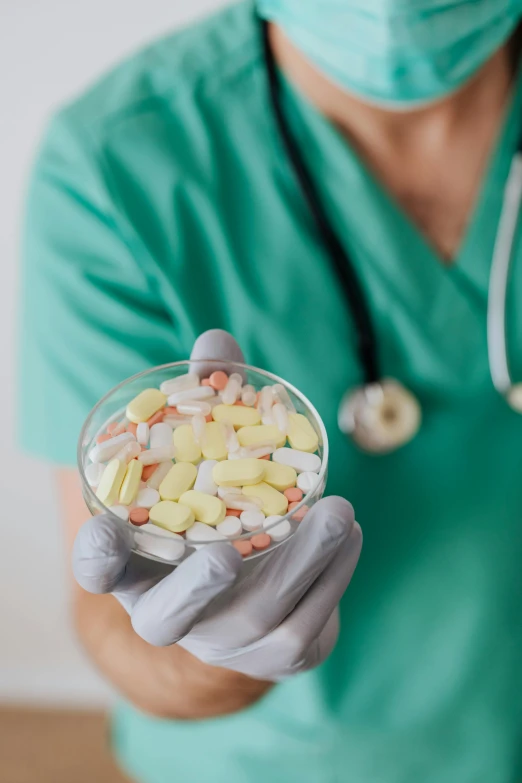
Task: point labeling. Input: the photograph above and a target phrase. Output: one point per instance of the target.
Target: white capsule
(267, 418)
(231, 440)
(307, 481)
(256, 452)
(204, 481)
(281, 395)
(142, 433)
(248, 395)
(279, 531)
(128, 452)
(201, 393)
(199, 425)
(213, 401)
(105, 451)
(154, 541)
(231, 391)
(224, 491)
(159, 474)
(174, 421)
(241, 503)
(94, 472)
(280, 416)
(121, 511)
(160, 435)
(188, 381)
(199, 533)
(266, 399)
(120, 427)
(235, 376)
(252, 520)
(192, 407)
(161, 454)
(301, 461)
(147, 497)
(230, 527)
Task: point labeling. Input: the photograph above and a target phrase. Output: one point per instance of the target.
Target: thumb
(215, 344)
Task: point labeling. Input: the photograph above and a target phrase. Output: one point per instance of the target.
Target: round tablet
(243, 547)
(139, 516)
(261, 541)
(147, 497)
(252, 520)
(230, 527)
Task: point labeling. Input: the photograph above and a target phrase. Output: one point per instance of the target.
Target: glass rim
(188, 362)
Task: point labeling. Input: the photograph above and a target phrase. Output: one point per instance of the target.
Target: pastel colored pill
(172, 385)
(148, 470)
(205, 382)
(200, 393)
(105, 451)
(204, 481)
(294, 494)
(232, 390)
(191, 407)
(233, 512)
(131, 482)
(260, 541)
(128, 451)
(242, 503)
(145, 405)
(206, 508)
(274, 502)
(264, 433)
(280, 417)
(111, 481)
(93, 473)
(132, 428)
(218, 380)
(252, 520)
(103, 437)
(159, 416)
(300, 513)
(222, 491)
(120, 511)
(171, 516)
(154, 542)
(139, 516)
(243, 547)
(142, 433)
(159, 474)
(281, 395)
(307, 481)
(214, 445)
(161, 454)
(236, 415)
(301, 434)
(231, 527)
(147, 497)
(187, 450)
(278, 530)
(160, 435)
(203, 534)
(299, 460)
(238, 472)
(280, 477)
(179, 479)
(113, 426)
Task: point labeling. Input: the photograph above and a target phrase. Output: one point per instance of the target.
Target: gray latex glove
(267, 618)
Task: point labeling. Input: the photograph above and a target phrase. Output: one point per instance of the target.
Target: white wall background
(49, 50)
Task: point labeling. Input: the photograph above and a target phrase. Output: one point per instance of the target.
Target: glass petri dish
(154, 542)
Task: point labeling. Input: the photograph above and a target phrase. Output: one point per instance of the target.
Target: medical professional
(325, 182)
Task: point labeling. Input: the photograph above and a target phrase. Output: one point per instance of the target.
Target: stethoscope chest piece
(380, 417)
(514, 397)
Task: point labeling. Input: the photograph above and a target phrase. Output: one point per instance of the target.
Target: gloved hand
(267, 618)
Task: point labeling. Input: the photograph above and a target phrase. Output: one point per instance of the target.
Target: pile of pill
(206, 461)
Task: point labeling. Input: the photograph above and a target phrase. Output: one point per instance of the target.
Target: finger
(215, 344)
(167, 612)
(100, 554)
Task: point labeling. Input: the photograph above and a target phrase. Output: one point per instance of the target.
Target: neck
(368, 126)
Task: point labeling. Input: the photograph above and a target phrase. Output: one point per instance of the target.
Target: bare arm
(164, 681)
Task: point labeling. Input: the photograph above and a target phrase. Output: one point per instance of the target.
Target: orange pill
(218, 380)
(132, 428)
(139, 516)
(209, 418)
(170, 410)
(156, 418)
(261, 541)
(240, 402)
(103, 438)
(243, 547)
(299, 515)
(112, 426)
(234, 512)
(294, 494)
(205, 382)
(148, 470)
(267, 456)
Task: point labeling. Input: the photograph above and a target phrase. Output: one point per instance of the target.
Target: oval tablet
(213, 442)
(178, 480)
(199, 533)
(111, 481)
(231, 527)
(279, 476)
(299, 460)
(206, 508)
(274, 502)
(278, 530)
(264, 433)
(145, 405)
(171, 516)
(236, 415)
(187, 450)
(301, 434)
(131, 482)
(238, 472)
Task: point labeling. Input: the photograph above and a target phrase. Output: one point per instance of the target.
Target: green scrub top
(162, 205)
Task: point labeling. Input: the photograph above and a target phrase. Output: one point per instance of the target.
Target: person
(163, 205)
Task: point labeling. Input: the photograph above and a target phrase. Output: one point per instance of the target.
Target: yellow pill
(171, 516)
(145, 405)
(178, 480)
(111, 481)
(274, 502)
(301, 434)
(131, 482)
(238, 472)
(206, 508)
(236, 415)
(264, 433)
(187, 450)
(213, 442)
(279, 477)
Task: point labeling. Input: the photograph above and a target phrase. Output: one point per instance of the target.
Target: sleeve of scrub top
(91, 306)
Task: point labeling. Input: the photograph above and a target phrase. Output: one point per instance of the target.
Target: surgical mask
(398, 54)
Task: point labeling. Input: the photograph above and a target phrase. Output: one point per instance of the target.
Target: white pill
(281, 395)
(248, 395)
(120, 427)
(121, 511)
(277, 532)
(201, 393)
(252, 520)
(224, 491)
(307, 481)
(142, 433)
(168, 546)
(204, 482)
(174, 421)
(94, 472)
(188, 381)
(161, 454)
(231, 440)
(230, 527)
(268, 418)
(301, 461)
(241, 503)
(232, 390)
(159, 474)
(199, 533)
(160, 435)
(148, 497)
(105, 451)
(191, 407)
(128, 452)
(280, 417)
(266, 400)
(199, 425)
(213, 401)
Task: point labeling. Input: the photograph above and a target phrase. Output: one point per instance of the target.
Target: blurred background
(49, 51)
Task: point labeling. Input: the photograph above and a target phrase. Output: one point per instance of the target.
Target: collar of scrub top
(380, 415)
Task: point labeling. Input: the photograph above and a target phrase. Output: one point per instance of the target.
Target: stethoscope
(381, 415)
